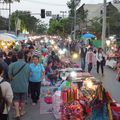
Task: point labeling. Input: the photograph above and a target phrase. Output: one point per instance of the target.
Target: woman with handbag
(100, 57)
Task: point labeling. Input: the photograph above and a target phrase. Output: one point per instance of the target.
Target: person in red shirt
(90, 59)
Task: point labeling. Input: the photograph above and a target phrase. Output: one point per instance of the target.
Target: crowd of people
(21, 72)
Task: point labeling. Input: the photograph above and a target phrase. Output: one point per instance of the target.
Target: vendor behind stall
(51, 75)
(66, 84)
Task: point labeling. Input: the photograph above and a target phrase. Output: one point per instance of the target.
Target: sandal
(17, 118)
(23, 113)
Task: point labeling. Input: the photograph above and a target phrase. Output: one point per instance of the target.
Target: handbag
(104, 61)
(19, 70)
(48, 99)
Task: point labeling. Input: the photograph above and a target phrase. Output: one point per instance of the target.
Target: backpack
(2, 100)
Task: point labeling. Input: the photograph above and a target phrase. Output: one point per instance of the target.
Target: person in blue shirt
(37, 72)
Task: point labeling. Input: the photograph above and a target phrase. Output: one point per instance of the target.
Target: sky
(49, 5)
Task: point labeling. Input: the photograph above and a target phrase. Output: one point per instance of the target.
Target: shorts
(20, 97)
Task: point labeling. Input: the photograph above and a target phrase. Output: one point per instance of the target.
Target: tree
(54, 27)
(28, 22)
(113, 19)
(41, 27)
(81, 14)
(60, 27)
(72, 4)
(96, 26)
(3, 23)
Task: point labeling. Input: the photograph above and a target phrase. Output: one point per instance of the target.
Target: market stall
(113, 57)
(6, 42)
(86, 99)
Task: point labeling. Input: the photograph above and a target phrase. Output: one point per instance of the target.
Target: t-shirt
(19, 82)
(48, 71)
(36, 72)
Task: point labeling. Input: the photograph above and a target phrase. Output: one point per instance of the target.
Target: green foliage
(3, 23)
(113, 19)
(61, 27)
(41, 27)
(71, 5)
(82, 14)
(28, 22)
(96, 26)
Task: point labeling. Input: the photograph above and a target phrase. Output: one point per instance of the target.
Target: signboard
(49, 13)
(54, 16)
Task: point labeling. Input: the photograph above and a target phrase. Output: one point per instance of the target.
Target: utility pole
(76, 3)
(104, 26)
(9, 17)
(74, 21)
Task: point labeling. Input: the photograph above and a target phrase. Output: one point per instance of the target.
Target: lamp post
(104, 26)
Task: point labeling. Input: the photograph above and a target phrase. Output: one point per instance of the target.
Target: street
(109, 82)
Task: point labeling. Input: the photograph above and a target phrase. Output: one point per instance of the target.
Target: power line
(45, 3)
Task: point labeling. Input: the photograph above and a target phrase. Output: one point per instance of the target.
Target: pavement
(109, 82)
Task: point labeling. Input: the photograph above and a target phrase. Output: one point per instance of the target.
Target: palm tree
(9, 2)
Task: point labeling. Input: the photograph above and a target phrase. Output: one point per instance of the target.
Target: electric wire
(44, 3)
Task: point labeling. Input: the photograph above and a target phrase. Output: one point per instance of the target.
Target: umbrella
(88, 35)
(21, 38)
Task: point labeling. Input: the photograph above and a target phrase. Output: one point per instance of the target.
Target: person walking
(37, 71)
(100, 57)
(83, 51)
(90, 59)
(5, 66)
(6, 95)
(19, 75)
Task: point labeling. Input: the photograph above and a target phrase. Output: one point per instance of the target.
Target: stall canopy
(6, 37)
(12, 37)
(21, 38)
(88, 36)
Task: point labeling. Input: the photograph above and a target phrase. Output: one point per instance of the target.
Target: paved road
(109, 82)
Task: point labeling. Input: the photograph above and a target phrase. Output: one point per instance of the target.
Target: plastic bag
(48, 99)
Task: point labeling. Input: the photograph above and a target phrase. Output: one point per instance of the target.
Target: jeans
(3, 116)
(102, 65)
(83, 63)
(35, 91)
(89, 67)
